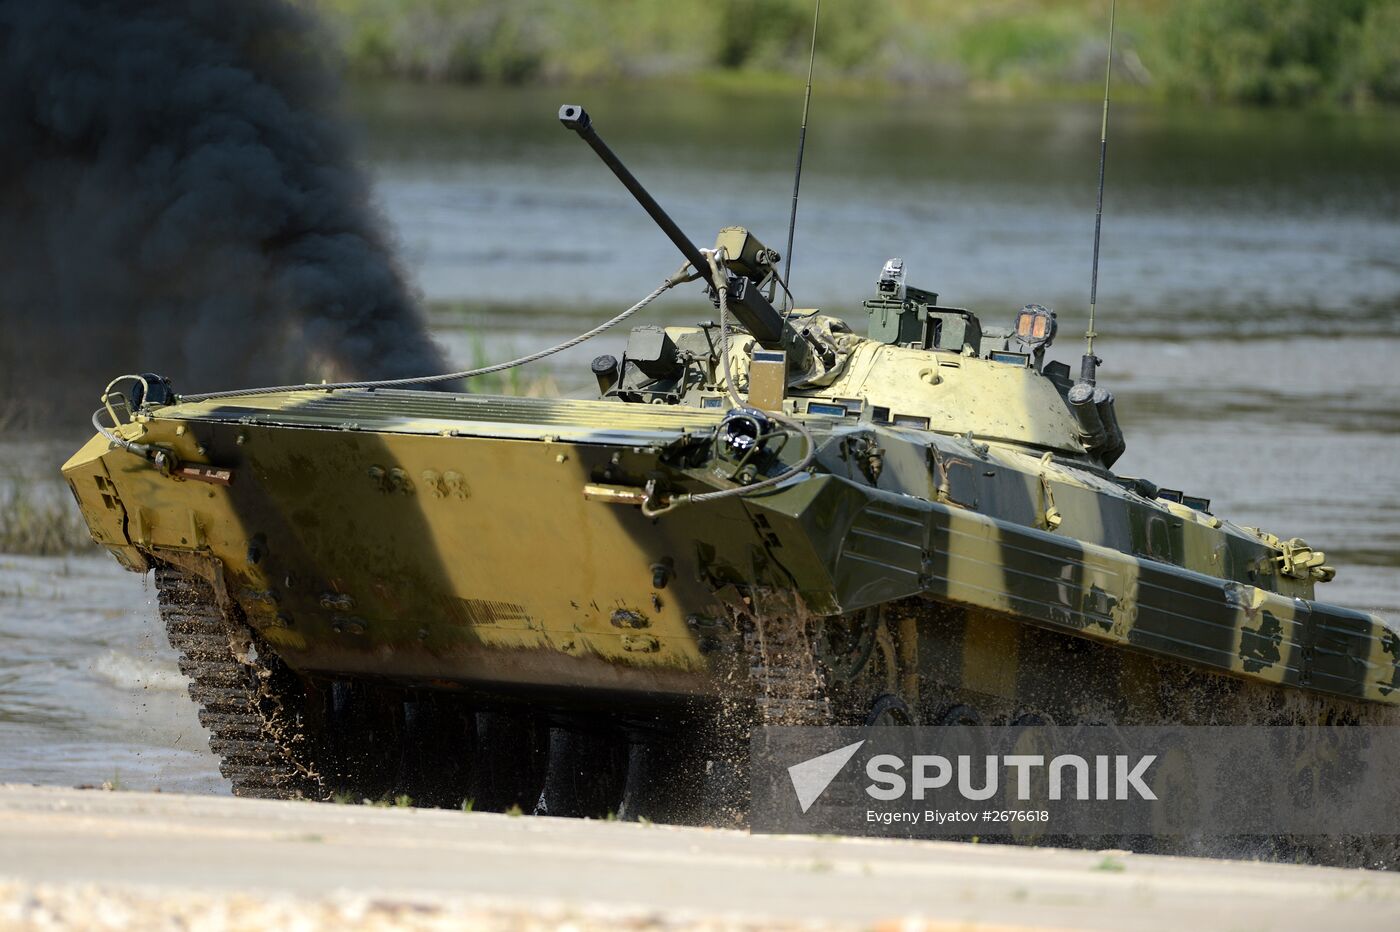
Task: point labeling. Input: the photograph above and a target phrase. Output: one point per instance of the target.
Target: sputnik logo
(811, 777)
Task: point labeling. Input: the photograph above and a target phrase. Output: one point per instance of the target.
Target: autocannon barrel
(752, 309)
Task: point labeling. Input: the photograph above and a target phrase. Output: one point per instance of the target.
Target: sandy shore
(88, 859)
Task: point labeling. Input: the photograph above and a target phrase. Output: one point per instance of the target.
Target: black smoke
(178, 194)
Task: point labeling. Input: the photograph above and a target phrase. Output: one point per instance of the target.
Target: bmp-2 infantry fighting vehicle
(584, 606)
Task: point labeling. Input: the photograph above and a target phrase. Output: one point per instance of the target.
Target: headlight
(740, 431)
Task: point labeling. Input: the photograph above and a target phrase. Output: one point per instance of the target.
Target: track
(254, 737)
(282, 736)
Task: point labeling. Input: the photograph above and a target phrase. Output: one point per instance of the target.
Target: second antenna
(801, 145)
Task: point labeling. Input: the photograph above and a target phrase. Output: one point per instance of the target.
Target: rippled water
(1249, 301)
(89, 691)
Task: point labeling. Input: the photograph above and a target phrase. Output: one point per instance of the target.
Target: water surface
(1249, 301)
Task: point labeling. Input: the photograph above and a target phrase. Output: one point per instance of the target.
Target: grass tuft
(43, 525)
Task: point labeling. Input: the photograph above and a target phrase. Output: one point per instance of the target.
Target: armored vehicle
(584, 606)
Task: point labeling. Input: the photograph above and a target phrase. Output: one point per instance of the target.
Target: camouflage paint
(443, 541)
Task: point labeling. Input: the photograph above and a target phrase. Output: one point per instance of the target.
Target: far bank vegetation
(1261, 52)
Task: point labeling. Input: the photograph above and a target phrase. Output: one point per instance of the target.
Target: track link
(788, 688)
(256, 738)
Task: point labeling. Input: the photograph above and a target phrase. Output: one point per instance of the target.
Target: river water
(1249, 303)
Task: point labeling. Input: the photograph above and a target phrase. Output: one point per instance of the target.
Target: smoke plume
(178, 195)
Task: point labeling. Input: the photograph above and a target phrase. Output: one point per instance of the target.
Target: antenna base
(1089, 368)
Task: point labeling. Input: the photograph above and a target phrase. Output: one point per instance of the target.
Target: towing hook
(654, 505)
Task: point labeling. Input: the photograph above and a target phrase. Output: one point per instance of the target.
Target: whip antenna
(1090, 362)
(801, 145)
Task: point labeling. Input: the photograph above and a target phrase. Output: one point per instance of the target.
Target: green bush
(1000, 48)
(439, 40)
(1370, 69)
(1282, 52)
